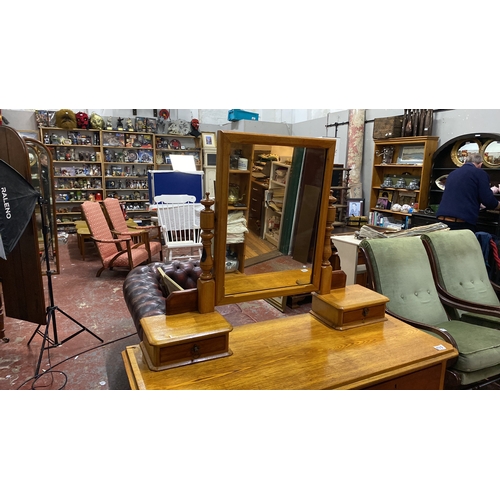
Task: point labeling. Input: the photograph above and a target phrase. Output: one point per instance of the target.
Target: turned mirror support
(206, 283)
(326, 266)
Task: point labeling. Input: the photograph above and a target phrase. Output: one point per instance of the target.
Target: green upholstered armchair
(399, 268)
(461, 277)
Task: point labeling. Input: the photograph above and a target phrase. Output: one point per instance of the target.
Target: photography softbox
(17, 203)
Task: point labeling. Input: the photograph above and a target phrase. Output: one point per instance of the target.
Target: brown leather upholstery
(143, 293)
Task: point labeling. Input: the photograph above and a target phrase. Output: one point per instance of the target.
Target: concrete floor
(84, 363)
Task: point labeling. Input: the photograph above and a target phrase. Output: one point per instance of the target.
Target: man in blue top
(466, 189)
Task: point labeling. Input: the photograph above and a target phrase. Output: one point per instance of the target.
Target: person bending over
(466, 189)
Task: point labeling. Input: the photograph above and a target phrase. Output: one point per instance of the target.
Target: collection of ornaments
(68, 119)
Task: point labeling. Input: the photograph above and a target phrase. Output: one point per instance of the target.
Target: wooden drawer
(183, 339)
(426, 379)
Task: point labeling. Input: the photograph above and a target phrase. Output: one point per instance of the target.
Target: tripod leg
(83, 328)
(34, 333)
(45, 337)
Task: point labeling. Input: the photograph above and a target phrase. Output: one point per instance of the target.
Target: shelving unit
(78, 168)
(405, 161)
(127, 158)
(91, 164)
(340, 186)
(275, 201)
(166, 145)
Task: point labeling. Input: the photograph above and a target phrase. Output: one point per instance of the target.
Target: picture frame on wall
(208, 140)
(411, 155)
(355, 207)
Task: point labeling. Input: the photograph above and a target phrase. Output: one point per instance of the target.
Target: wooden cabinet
(276, 201)
(401, 176)
(256, 213)
(452, 155)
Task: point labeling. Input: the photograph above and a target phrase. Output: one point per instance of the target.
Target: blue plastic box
(238, 114)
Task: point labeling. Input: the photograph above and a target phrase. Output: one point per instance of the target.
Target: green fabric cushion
(478, 347)
(403, 274)
(461, 268)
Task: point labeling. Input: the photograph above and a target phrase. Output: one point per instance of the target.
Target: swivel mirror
(283, 255)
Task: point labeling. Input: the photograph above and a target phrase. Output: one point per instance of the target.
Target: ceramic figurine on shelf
(130, 126)
(119, 124)
(109, 123)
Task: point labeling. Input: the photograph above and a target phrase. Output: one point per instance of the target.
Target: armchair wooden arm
(441, 332)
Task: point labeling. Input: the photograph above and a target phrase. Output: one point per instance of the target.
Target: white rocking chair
(180, 224)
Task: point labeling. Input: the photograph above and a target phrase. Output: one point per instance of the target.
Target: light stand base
(51, 320)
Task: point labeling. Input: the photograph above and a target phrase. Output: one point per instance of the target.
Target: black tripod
(52, 309)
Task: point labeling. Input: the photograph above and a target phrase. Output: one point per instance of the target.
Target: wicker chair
(108, 247)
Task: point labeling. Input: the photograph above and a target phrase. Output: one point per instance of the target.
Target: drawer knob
(366, 310)
(195, 351)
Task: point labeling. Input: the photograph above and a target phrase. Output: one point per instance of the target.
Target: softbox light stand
(47, 342)
(18, 199)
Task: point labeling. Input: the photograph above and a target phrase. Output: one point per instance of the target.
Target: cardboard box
(238, 114)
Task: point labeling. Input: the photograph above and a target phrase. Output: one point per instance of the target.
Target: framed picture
(208, 140)
(413, 155)
(355, 207)
(384, 200)
(29, 134)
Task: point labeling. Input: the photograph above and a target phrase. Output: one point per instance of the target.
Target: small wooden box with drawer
(349, 307)
(184, 339)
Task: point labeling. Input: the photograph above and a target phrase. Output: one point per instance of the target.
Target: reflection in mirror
(491, 153)
(462, 149)
(270, 210)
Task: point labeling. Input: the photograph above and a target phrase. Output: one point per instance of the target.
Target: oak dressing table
(307, 351)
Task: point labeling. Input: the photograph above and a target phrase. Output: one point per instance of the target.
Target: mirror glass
(491, 153)
(271, 200)
(462, 149)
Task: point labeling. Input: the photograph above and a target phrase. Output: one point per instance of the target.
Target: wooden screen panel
(20, 274)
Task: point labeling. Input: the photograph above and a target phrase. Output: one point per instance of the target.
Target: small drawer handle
(195, 351)
(366, 310)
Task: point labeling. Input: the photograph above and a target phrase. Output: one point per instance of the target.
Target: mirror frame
(458, 145)
(226, 141)
(45, 185)
(483, 151)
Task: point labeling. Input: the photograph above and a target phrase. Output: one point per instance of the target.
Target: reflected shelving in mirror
(292, 265)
